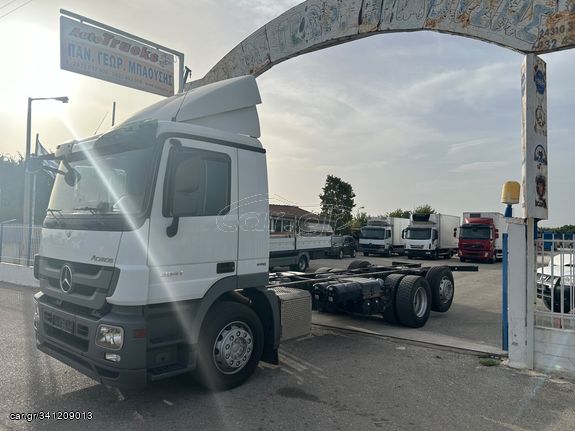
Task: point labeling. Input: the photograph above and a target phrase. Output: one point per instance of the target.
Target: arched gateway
(530, 27)
(526, 26)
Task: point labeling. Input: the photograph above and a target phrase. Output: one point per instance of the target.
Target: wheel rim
(341, 254)
(302, 264)
(420, 302)
(445, 289)
(233, 348)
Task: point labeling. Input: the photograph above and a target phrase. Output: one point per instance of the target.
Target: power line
(15, 9)
(8, 3)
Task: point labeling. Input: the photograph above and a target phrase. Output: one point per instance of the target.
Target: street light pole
(28, 196)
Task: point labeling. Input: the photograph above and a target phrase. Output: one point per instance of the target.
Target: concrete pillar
(520, 301)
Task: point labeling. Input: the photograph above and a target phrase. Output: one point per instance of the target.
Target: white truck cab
(155, 250)
(383, 236)
(431, 236)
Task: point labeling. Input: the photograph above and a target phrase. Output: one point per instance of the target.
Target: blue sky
(406, 118)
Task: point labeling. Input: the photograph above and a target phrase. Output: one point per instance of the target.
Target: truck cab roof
(228, 105)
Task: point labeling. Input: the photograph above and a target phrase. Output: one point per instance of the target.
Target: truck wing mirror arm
(172, 229)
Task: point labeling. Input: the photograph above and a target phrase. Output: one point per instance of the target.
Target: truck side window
(200, 183)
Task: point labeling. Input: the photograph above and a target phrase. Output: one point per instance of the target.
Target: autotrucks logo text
(110, 41)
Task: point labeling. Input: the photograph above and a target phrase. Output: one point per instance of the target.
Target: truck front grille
(91, 284)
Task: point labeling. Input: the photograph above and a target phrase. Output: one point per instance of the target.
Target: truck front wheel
(230, 346)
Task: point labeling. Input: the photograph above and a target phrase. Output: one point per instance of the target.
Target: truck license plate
(63, 324)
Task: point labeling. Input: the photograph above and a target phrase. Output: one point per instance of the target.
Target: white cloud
(479, 167)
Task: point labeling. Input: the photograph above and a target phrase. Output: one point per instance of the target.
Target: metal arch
(525, 26)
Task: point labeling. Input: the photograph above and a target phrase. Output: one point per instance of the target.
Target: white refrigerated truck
(155, 250)
(383, 236)
(432, 236)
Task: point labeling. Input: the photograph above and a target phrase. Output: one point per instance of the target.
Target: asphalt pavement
(331, 380)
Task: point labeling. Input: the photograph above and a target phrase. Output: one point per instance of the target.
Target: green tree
(399, 213)
(359, 220)
(337, 202)
(423, 209)
(568, 229)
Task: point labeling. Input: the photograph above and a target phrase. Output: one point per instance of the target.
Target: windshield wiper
(53, 212)
(93, 210)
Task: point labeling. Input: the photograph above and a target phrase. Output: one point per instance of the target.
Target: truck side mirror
(33, 165)
(171, 206)
(403, 234)
(434, 235)
(454, 232)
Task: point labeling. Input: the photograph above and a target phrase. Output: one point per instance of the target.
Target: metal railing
(13, 243)
(555, 277)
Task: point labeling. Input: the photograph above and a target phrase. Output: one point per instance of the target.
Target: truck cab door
(190, 253)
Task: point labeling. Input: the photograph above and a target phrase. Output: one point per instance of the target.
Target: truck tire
(302, 264)
(434, 255)
(234, 328)
(413, 301)
(340, 254)
(365, 253)
(356, 264)
(390, 285)
(352, 254)
(442, 287)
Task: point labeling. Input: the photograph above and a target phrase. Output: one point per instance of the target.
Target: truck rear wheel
(413, 301)
(442, 286)
(340, 254)
(230, 346)
(390, 284)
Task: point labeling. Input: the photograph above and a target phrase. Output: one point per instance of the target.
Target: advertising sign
(101, 54)
(534, 138)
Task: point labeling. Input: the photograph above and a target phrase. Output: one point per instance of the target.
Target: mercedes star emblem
(66, 279)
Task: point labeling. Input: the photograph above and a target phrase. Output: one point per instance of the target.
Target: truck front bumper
(418, 253)
(474, 254)
(375, 249)
(70, 338)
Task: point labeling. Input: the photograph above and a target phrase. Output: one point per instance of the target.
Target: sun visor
(228, 105)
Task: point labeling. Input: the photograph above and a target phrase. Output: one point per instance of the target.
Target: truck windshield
(418, 233)
(106, 183)
(372, 233)
(475, 232)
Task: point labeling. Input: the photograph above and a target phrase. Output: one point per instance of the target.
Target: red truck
(480, 236)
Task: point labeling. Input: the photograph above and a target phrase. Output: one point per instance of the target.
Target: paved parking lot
(476, 311)
(331, 380)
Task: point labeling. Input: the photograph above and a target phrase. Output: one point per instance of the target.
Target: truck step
(167, 371)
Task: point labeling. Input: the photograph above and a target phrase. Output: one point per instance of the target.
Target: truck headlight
(36, 314)
(110, 337)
